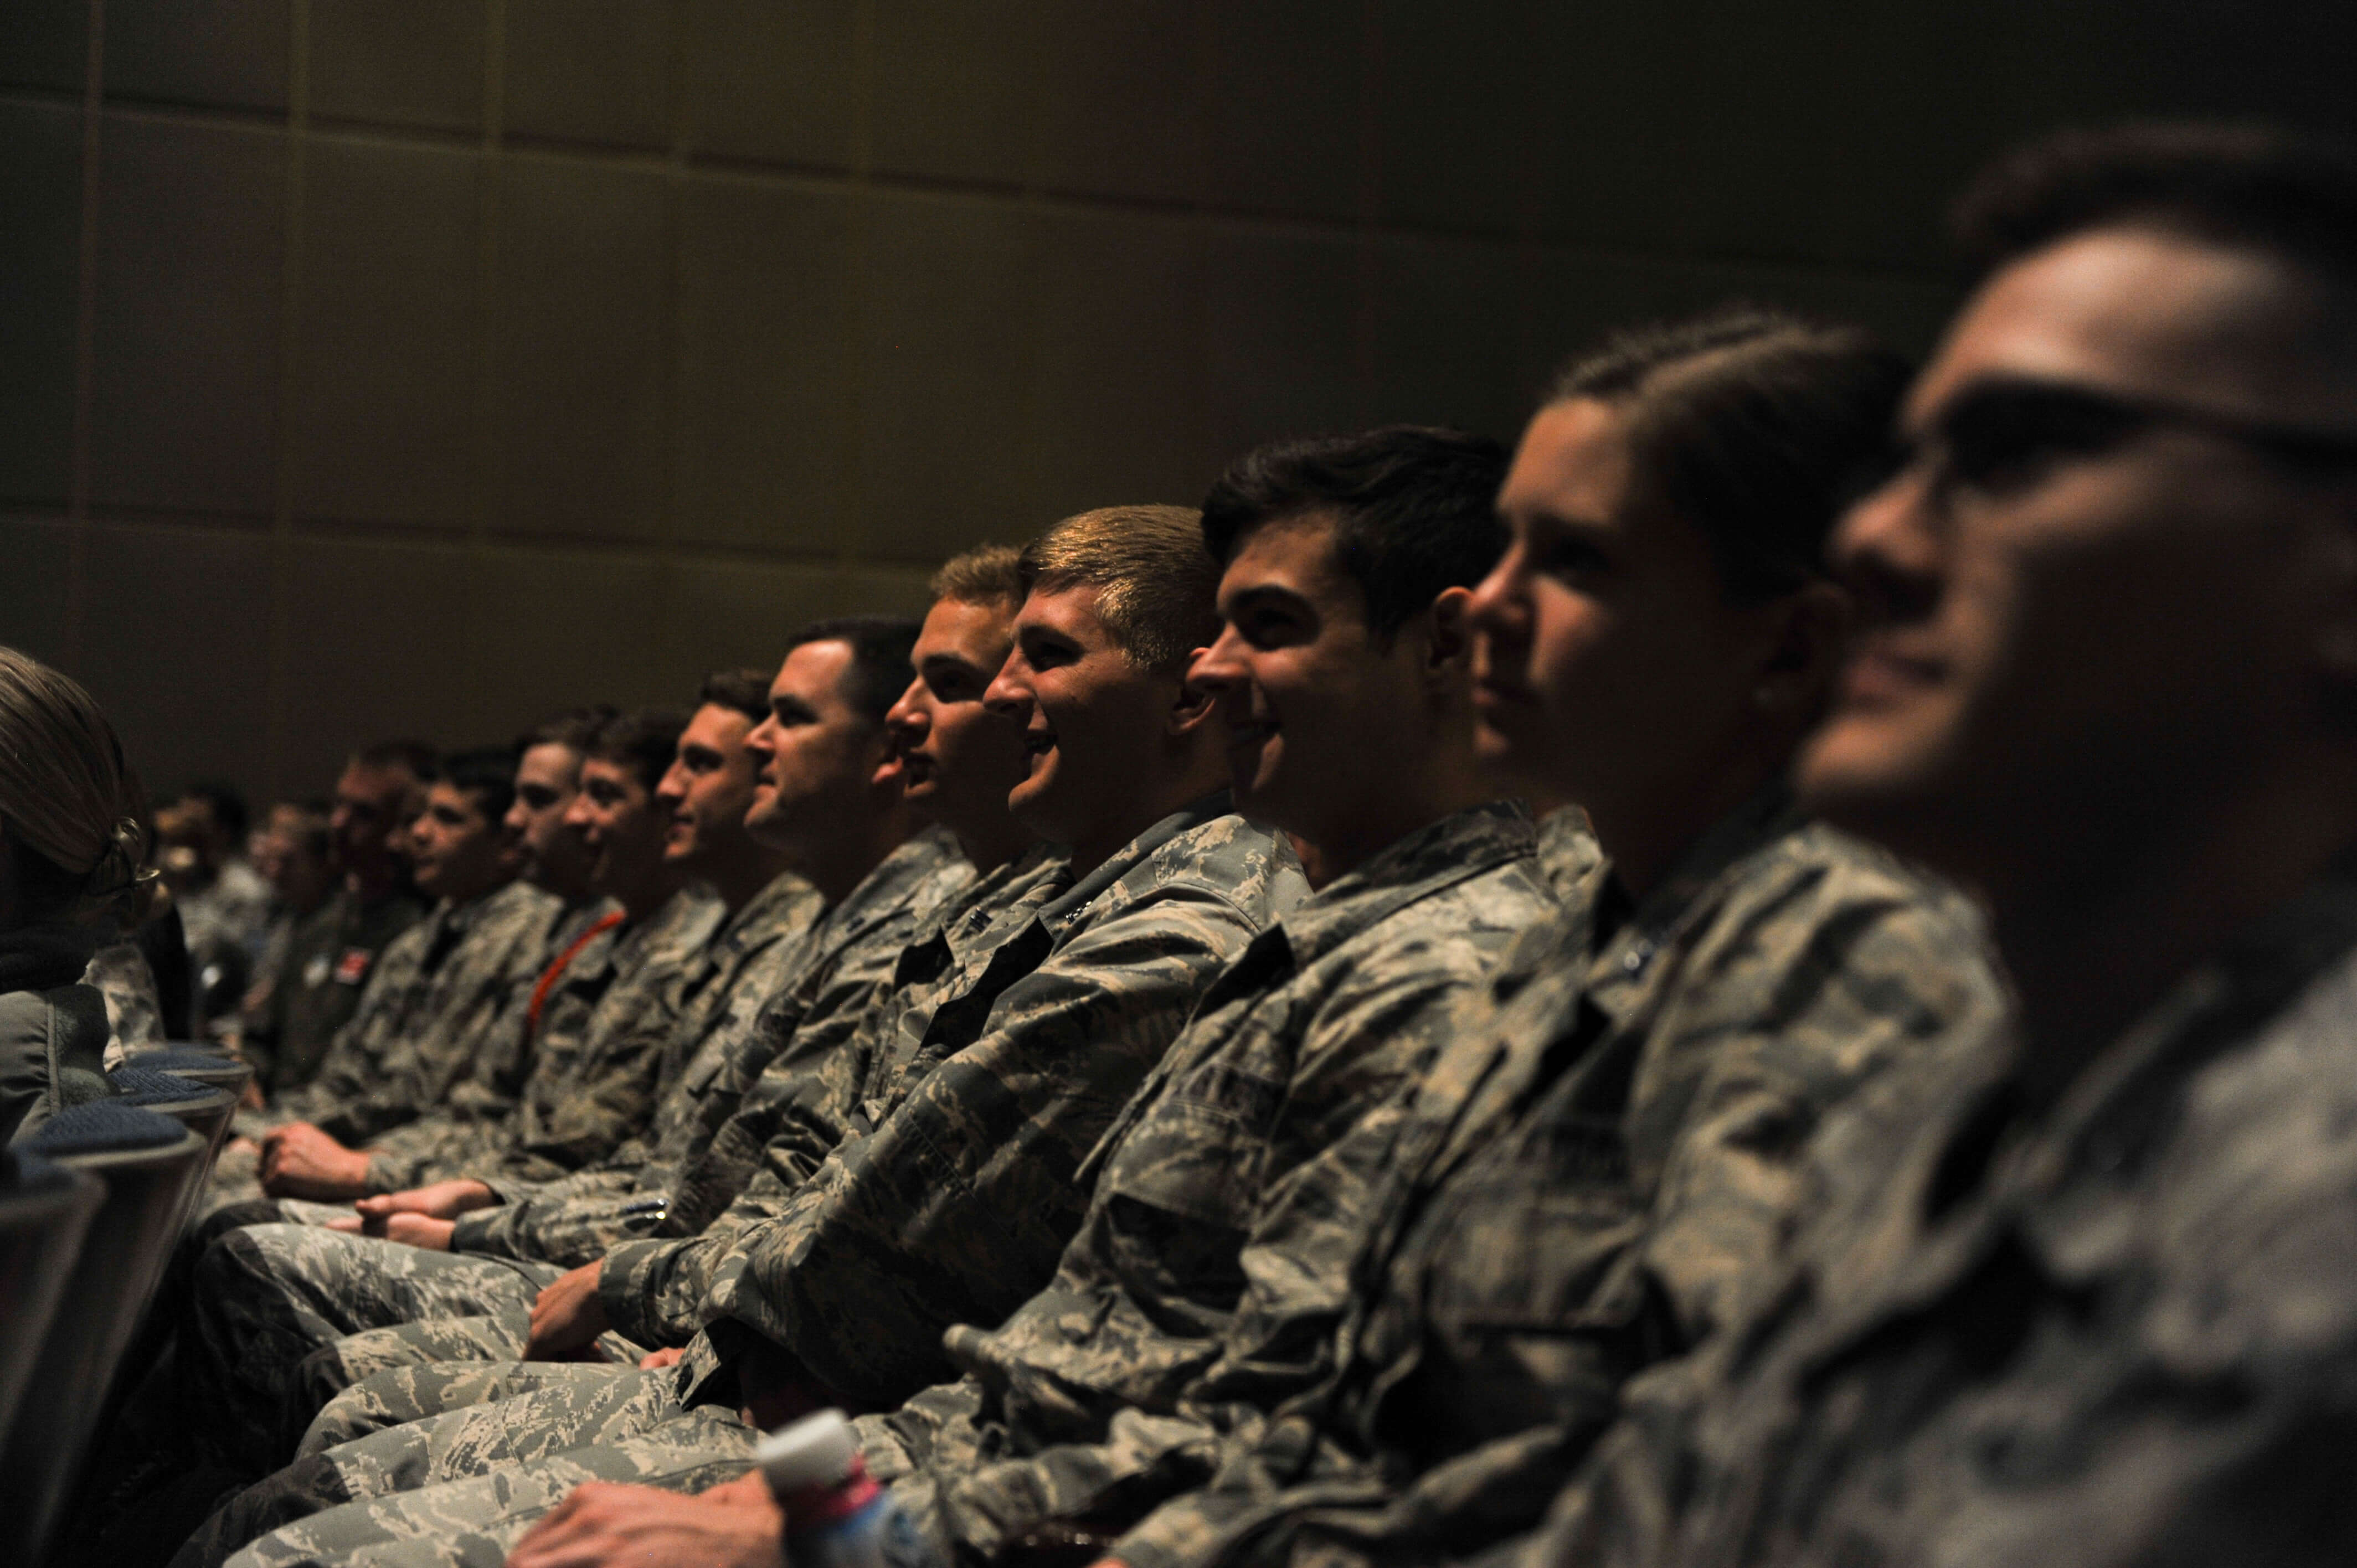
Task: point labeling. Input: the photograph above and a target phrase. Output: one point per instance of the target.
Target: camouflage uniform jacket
(1590, 1186)
(2114, 1326)
(1322, 1017)
(332, 956)
(436, 995)
(811, 1094)
(962, 1169)
(590, 1086)
(576, 1219)
(1569, 857)
(483, 1086)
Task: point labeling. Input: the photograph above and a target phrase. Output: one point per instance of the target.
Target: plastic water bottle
(836, 1516)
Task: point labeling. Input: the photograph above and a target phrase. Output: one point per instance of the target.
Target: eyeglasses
(2007, 431)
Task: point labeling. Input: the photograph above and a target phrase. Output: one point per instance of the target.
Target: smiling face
(2072, 638)
(1611, 667)
(456, 852)
(1306, 694)
(1094, 724)
(624, 826)
(554, 856)
(707, 789)
(816, 755)
(958, 759)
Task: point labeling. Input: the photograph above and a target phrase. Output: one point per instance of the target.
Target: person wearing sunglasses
(2085, 1293)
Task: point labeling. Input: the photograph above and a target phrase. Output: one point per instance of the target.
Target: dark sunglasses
(2010, 430)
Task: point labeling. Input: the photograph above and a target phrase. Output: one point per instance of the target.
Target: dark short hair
(2257, 187)
(643, 740)
(226, 804)
(1755, 426)
(573, 728)
(879, 646)
(414, 757)
(745, 692)
(1414, 509)
(487, 773)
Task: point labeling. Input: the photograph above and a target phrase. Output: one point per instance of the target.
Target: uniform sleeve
(968, 1184)
(1789, 1000)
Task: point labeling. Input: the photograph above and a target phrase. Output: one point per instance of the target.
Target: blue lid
(102, 1127)
(145, 1086)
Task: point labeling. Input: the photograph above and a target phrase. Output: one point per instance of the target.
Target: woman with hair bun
(71, 832)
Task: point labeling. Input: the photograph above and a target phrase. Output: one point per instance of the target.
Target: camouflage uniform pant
(265, 1297)
(462, 1485)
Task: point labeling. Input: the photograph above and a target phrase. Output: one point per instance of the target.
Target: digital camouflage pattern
(331, 957)
(577, 1106)
(266, 1294)
(1326, 1012)
(1594, 1183)
(576, 1218)
(484, 1089)
(986, 1107)
(454, 1314)
(1569, 857)
(433, 998)
(811, 1094)
(965, 1162)
(2114, 1326)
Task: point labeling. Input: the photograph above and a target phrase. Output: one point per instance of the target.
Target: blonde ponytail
(75, 823)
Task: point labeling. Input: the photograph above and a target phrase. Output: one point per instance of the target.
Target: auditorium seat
(45, 1210)
(203, 1108)
(197, 1063)
(148, 1164)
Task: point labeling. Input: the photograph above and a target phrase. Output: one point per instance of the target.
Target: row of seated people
(1155, 1042)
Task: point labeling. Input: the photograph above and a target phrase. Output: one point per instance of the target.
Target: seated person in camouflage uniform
(1439, 1307)
(554, 1111)
(811, 781)
(2086, 1293)
(437, 994)
(294, 854)
(1349, 563)
(332, 952)
(977, 1109)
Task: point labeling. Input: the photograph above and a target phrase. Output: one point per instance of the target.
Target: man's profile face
(707, 789)
(2063, 630)
(555, 856)
(456, 851)
(1093, 721)
(371, 806)
(622, 823)
(816, 755)
(958, 759)
(1307, 697)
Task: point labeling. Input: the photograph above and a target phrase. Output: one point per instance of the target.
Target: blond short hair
(986, 574)
(77, 827)
(1157, 585)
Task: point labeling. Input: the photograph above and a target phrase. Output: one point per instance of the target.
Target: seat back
(45, 1210)
(198, 1064)
(148, 1164)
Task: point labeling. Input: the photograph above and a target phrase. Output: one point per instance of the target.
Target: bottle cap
(819, 1450)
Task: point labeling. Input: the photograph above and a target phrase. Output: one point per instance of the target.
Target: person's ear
(1449, 635)
(1190, 705)
(1806, 634)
